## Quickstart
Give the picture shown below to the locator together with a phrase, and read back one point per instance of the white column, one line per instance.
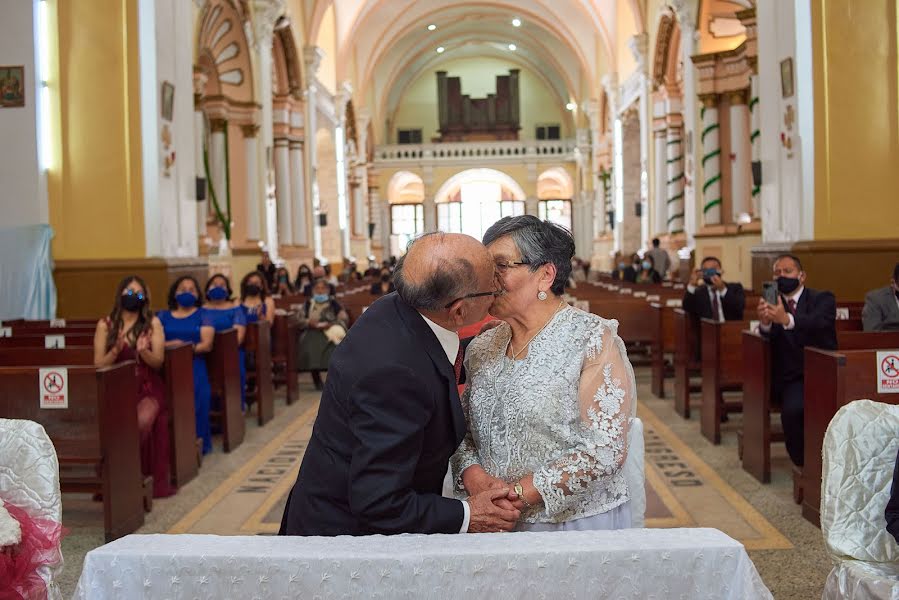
(282, 191)
(711, 161)
(251, 149)
(661, 177)
(218, 176)
(755, 138)
(299, 207)
(312, 56)
(202, 207)
(360, 214)
(340, 147)
(741, 155)
(675, 180)
(686, 18)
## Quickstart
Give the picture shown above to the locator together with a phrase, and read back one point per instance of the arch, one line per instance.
(449, 191)
(666, 69)
(405, 187)
(555, 184)
(286, 78)
(223, 53)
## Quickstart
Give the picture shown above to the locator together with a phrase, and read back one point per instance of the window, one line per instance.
(449, 217)
(406, 222)
(556, 211)
(408, 136)
(549, 132)
(511, 208)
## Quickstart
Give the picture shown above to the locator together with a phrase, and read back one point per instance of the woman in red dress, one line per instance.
(132, 332)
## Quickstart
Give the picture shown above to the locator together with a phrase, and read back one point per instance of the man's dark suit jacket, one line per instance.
(881, 312)
(814, 326)
(389, 420)
(892, 510)
(700, 304)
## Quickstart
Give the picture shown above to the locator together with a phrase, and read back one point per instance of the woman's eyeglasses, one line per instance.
(502, 267)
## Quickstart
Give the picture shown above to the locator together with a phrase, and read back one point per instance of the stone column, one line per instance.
(343, 202)
(741, 156)
(755, 137)
(199, 142)
(639, 46)
(299, 206)
(218, 177)
(429, 207)
(686, 18)
(253, 177)
(282, 191)
(312, 57)
(711, 161)
(661, 177)
(675, 180)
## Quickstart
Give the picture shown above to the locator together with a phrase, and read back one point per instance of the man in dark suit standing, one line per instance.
(390, 416)
(708, 296)
(881, 312)
(802, 317)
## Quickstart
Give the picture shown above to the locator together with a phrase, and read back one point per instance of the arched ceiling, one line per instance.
(384, 45)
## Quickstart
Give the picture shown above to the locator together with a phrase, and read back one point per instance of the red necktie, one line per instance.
(457, 366)
(716, 313)
(792, 305)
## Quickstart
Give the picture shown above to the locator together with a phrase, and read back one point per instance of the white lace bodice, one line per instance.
(561, 413)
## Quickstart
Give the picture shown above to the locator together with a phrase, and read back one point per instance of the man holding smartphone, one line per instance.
(800, 317)
(708, 296)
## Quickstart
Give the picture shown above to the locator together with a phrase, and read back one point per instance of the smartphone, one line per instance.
(769, 292)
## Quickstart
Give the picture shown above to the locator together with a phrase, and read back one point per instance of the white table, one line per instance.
(632, 563)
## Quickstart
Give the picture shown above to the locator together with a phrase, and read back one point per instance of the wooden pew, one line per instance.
(722, 370)
(224, 378)
(663, 344)
(285, 334)
(833, 379)
(96, 437)
(258, 343)
(758, 433)
(686, 359)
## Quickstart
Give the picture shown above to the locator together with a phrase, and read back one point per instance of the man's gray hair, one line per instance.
(447, 280)
(539, 242)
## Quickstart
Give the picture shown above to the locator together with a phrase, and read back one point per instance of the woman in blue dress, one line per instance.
(185, 321)
(254, 299)
(225, 313)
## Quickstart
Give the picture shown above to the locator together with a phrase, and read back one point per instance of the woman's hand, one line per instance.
(143, 344)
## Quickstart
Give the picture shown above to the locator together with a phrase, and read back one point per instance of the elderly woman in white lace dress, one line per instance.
(551, 393)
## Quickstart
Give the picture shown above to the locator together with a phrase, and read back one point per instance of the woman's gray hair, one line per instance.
(540, 243)
(447, 280)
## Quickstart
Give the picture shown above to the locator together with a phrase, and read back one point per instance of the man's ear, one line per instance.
(456, 314)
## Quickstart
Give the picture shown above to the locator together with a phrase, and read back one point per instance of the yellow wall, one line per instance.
(625, 29)
(95, 191)
(708, 43)
(856, 121)
(327, 41)
(539, 104)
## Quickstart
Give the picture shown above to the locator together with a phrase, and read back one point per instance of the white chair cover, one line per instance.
(859, 455)
(29, 479)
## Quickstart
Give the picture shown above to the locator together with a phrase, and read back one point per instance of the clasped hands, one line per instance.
(773, 313)
(493, 502)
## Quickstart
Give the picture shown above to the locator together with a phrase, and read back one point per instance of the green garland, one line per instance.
(224, 219)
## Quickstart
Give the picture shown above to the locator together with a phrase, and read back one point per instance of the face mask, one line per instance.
(133, 302)
(647, 265)
(186, 299)
(621, 266)
(385, 278)
(708, 274)
(217, 293)
(787, 285)
(283, 278)
(320, 298)
(253, 290)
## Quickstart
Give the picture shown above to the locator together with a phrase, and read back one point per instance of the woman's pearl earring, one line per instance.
(541, 296)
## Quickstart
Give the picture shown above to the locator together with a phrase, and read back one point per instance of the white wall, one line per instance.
(23, 199)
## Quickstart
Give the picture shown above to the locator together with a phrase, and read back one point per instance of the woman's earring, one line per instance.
(541, 296)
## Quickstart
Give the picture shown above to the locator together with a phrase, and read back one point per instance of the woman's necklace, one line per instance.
(522, 349)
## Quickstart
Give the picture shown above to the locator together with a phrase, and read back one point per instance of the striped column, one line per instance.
(741, 155)
(661, 177)
(675, 164)
(755, 139)
(711, 160)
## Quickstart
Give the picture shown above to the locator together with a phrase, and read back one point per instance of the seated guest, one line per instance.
(373, 270)
(892, 511)
(660, 258)
(384, 286)
(326, 324)
(329, 276)
(184, 321)
(254, 298)
(225, 313)
(319, 272)
(618, 267)
(647, 272)
(802, 317)
(631, 270)
(131, 332)
(282, 285)
(881, 312)
(304, 278)
(267, 268)
(708, 296)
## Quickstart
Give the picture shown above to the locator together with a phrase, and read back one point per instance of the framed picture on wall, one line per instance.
(12, 87)
(168, 100)
(786, 77)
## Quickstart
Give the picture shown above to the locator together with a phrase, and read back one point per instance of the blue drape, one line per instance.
(27, 290)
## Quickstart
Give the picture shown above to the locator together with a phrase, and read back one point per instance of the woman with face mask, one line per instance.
(131, 332)
(185, 321)
(282, 285)
(224, 314)
(647, 272)
(325, 323)
(384, 285)
(254, 299)
(304, 278)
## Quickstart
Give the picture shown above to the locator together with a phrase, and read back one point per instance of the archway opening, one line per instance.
(405, 194)
(555, 190)
(473, 200)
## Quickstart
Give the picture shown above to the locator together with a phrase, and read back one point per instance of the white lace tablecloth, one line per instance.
(634, 563)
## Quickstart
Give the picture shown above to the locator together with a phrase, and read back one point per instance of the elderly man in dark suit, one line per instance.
(881, 312)
(708, 296)
(802, 317)
(390, 416)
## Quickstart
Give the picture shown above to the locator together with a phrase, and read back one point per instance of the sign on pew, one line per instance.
(53, 386)
(888, 372)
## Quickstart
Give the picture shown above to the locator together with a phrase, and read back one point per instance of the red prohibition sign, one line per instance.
(889, 366)
(53, 382)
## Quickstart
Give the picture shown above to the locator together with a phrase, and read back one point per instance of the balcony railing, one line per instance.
(478, 152)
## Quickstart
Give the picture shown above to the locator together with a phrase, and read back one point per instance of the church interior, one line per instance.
(290, 140)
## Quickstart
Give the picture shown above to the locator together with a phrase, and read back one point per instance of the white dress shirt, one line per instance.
(795, 297)
(449, 341)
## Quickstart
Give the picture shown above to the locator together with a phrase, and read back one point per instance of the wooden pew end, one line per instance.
(797, 484)
(148, 493)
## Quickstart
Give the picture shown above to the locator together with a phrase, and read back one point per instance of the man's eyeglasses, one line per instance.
(503, 266)
(475, 295)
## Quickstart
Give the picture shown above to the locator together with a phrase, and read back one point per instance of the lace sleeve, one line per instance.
(606, 401)
(467, 453)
